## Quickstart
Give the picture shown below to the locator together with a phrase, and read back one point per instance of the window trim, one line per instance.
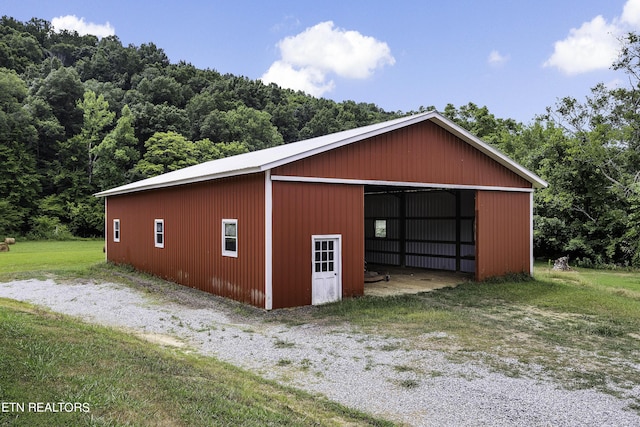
(225, 251)
(156, 233)
(116, 230)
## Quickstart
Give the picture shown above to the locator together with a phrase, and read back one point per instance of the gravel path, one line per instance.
(373, 374)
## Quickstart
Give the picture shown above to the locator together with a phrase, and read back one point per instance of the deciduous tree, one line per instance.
(117, 154)
(166, 152)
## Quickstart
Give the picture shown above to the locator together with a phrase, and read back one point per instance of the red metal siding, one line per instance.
(301, 210)
(424, 153)
(192, 253)
(503, 233)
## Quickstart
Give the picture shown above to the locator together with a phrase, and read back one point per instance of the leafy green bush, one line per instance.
(48, 228)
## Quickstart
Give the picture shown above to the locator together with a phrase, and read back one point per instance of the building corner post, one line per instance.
(106, 228)
(531, 233)
(268, 238)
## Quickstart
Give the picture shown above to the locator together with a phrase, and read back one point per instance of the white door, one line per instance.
(326, 275)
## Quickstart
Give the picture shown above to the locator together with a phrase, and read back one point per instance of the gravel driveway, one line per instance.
(377, 375)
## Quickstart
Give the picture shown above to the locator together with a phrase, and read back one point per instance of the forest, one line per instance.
(81, 114)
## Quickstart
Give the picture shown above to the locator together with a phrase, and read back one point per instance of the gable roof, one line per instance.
(262, 160)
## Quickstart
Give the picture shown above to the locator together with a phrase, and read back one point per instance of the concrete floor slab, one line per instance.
(408, 280)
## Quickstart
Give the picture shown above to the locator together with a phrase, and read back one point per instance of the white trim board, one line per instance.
(106, 233)
(310, 179)
(531, 234)
(268, 242)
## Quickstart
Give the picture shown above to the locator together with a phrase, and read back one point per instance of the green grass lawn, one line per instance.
(38, 258)
(617, 281)
(115, 379)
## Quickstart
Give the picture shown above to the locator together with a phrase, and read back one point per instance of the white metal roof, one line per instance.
(258, 161)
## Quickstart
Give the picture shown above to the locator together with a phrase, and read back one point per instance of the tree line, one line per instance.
(81, 114)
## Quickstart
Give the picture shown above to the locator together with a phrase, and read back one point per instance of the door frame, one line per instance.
(337, 260)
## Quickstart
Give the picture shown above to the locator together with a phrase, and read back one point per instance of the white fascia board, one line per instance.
(153, 185)
(405, 184)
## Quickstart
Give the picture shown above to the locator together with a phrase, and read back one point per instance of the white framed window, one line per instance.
(381, 228)
(230, 237)
(158, 232)
(116, 230)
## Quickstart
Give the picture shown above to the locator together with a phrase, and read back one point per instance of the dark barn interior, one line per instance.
(420, 228)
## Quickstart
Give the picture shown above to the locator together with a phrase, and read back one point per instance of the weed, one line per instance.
(390, 347)
(634, 407)
(305, 364)
(369, 365)
(409, 384)
(283, 344)
(607, 330)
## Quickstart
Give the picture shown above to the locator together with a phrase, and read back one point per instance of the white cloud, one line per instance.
(497, 59)
(308, 58)
(595, 45)
(308, 79)
(631, 13)
(73, 23)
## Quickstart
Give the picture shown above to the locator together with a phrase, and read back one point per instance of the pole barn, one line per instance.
(293, 225)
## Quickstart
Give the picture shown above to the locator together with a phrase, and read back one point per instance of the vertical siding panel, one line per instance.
(503, 234)
(302, 210)
(192, 255)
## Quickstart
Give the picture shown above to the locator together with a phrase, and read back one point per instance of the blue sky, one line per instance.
(515, 57)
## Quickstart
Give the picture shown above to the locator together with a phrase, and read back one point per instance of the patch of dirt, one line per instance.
(161, 339)
(554, 315)
(178, 294)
